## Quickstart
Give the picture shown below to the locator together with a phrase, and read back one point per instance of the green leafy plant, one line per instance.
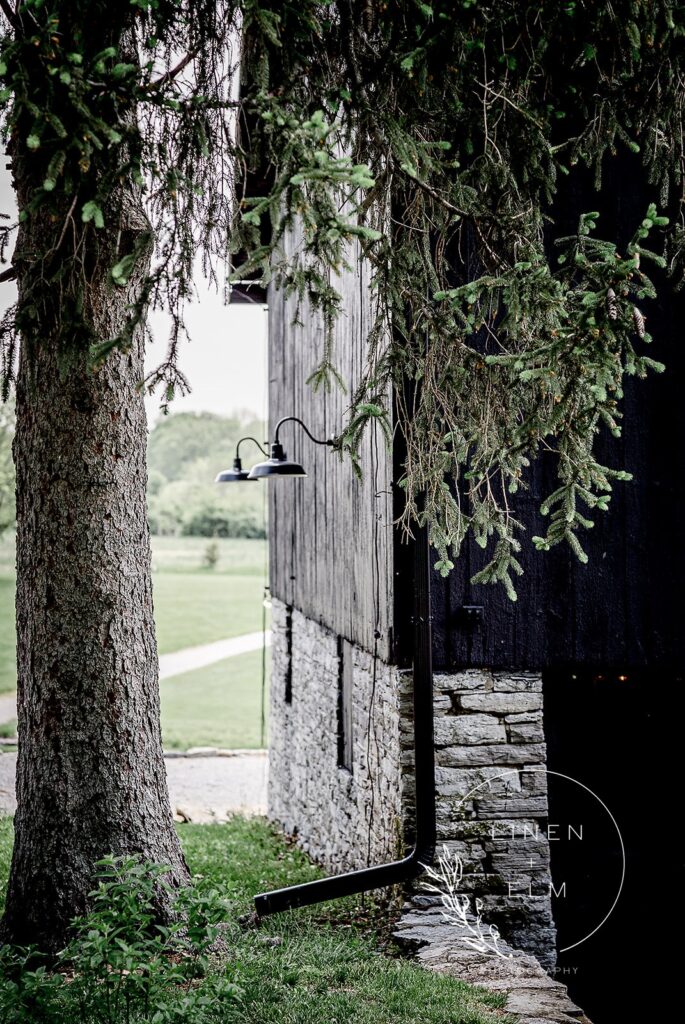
(122, 966)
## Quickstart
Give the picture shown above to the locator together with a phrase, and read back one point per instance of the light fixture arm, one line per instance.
(295, 419)
(254, 440)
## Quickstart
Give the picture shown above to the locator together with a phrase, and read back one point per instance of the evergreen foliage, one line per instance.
(477, 121)
(106, 104)
(440, 138)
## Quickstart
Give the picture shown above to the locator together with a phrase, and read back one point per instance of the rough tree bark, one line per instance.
(91, 777)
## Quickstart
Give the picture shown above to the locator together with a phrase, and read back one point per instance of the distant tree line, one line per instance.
(186, 451)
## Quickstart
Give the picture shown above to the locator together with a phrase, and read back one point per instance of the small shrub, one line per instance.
(210, 558)
(121, 966)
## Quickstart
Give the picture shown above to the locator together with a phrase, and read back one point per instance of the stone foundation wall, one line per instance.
(532, 996)
(490, 759)
(344, 817)
(492, 797)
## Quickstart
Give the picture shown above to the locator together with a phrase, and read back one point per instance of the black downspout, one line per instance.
(424, 761)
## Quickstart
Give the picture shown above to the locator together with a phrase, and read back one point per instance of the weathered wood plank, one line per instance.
(336, 557)
(331, 534)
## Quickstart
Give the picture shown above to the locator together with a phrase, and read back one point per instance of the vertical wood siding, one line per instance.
(624, 609)
(332, 545)
(330, 533)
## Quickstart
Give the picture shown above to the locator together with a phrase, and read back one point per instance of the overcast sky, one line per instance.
(225, 361)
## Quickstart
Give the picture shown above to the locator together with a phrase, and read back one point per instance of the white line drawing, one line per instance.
(459, 909)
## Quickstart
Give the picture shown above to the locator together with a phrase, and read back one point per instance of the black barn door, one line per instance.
(620, 735)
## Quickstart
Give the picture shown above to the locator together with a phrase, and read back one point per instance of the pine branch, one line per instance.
(10, 274)
(513, 352)
(425, 187)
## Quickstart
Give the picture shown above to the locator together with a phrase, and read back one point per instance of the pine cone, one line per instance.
(612, 304)
(639, 321)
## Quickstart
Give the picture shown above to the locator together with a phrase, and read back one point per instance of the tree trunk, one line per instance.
(90, 776)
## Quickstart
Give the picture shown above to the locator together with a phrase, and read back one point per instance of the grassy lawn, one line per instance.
(193, 605)
(196, 608)
(217, 706)
(310, 966)
(185, 554)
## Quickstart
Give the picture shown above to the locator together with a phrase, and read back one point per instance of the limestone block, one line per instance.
(458, 682)
(468, 851)
(508, 807)
(526, 732)
(512, 834)
(532, 859)
(528, 682)
(503, 753)
(469, 729)
(500, 703)
(442, 704)
(491, 780)
(533, 781)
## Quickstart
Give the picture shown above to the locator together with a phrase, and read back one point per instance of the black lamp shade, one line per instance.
(278, 464)
(235, 475)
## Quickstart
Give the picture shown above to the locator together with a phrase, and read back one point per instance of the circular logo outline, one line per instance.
(569, 778)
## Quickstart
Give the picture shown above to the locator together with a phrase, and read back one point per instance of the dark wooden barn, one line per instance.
(582, 676)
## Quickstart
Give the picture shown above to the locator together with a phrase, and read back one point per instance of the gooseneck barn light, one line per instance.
(278, 463)
(236, 474)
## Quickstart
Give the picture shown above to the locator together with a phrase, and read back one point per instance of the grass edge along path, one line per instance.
(316, 965)
(218, 705)
(193, 605)
(215, 706)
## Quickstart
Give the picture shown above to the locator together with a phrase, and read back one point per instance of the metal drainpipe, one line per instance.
(424, 760)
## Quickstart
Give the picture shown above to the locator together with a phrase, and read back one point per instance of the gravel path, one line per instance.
(191, 658)
(203, 788)
(7, 767)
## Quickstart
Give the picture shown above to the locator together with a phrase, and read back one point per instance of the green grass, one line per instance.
(6, 840)
(7, 553)
(197, 608)
(312, 966)
(217, 706)
(192, 605)
(240, 557)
